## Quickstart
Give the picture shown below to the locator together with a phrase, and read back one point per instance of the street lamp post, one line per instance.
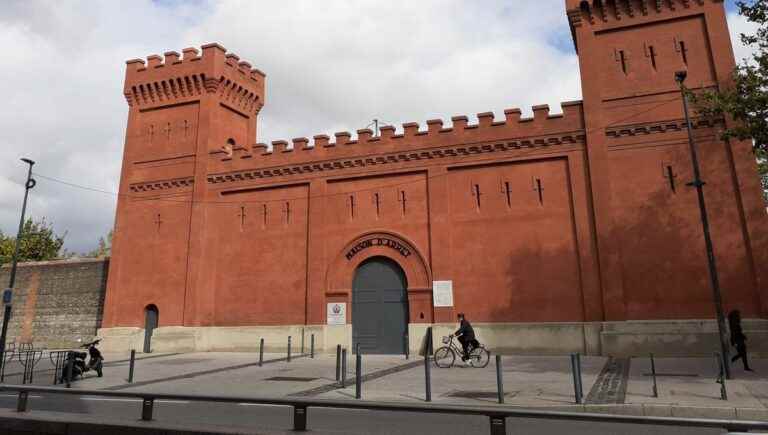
(699, 184)
(7, 313)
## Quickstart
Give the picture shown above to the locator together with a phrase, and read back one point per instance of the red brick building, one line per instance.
(563, 231)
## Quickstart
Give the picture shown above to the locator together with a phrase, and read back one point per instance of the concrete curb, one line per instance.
(653, 410)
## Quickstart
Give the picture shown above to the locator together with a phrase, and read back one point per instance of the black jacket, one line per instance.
(465, 330)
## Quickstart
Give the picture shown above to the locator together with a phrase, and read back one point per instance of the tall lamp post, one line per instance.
(699, 184)
(7, 294)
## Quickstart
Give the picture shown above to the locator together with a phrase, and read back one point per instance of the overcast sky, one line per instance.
(331, 66)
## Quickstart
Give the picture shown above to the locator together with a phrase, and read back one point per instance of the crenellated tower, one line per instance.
(644, 213)
(182, 108)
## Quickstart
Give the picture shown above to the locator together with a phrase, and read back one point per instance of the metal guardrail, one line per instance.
(496, 415)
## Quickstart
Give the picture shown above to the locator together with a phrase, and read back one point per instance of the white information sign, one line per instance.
(442, 293)
(337, 313)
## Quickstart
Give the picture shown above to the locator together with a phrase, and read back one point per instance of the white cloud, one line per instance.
(739, 25)
(331, 66)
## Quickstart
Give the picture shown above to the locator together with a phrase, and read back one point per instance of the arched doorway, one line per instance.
(379, 307)
(151, 317)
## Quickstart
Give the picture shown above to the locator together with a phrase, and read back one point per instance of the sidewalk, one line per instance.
(686, 386)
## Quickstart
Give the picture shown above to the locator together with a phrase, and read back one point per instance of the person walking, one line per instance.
(738, 339)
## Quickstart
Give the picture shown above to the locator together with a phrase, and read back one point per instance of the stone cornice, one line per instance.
(152, 186)
(658, 127)
(397, 157)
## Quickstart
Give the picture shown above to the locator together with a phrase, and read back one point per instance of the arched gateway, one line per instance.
(379, 307)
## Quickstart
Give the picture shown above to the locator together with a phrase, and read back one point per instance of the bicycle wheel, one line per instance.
(444, 357)
(479, 357)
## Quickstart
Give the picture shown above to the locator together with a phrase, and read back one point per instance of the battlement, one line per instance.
(542, 129)
(611, 13)
(175, 78)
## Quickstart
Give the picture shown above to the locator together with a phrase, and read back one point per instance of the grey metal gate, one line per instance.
(379, 307)
(151, 316)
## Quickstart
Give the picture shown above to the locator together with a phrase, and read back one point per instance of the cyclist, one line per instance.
(465, 334)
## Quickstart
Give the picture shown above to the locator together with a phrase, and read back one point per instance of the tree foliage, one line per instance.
(104, 248)
(747, 101)
(39, 242)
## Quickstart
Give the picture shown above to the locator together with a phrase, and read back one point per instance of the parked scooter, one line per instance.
(79, 366)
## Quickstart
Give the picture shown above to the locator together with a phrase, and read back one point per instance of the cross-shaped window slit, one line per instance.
(401, 199)
(241, 214)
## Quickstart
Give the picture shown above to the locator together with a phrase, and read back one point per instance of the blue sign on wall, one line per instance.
(7, 295)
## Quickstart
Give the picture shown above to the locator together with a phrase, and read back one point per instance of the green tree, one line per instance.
(104, 249)
(747, 101)
(39, 242)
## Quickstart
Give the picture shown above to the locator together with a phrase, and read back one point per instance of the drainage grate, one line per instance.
(290, 379)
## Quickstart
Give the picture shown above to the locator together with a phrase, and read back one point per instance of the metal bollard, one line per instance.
(653, 376)
(358, 373)
(721, 376)
(302, 342)
(574, 372)
(499, 379)
(427, 367)
(70, 367)
(131, 365)
(312, 346)
(338, 362)
(344, 368)
(407, 346)
(261, 352)
(146, 408)
(289, 348)
(299, 418)
(578, 369)
(21, 404)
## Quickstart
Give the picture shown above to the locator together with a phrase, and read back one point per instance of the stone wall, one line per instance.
(56, 303)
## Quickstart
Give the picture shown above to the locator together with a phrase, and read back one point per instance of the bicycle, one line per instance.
(445, 356)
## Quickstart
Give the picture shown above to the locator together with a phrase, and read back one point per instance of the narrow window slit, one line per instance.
(476, 193)
(352, 206)
(623, 58)
(402, 200)
(671, 176)
(508, 192)
(652, 52)
(684, 52)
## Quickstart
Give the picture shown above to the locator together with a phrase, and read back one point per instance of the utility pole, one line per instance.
(680, 77)
(7, 294)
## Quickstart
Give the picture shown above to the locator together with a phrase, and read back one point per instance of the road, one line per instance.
(277, 419)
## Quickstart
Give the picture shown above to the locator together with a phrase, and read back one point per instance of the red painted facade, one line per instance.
(579, 216)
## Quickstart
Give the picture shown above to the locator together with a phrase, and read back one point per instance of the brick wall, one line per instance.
(56, 303)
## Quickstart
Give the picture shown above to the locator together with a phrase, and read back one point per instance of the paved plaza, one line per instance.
(686, 386)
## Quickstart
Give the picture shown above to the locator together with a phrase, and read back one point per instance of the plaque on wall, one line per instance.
(442, 293)
(337, 313)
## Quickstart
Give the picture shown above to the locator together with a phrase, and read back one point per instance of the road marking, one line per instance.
(16, 395)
